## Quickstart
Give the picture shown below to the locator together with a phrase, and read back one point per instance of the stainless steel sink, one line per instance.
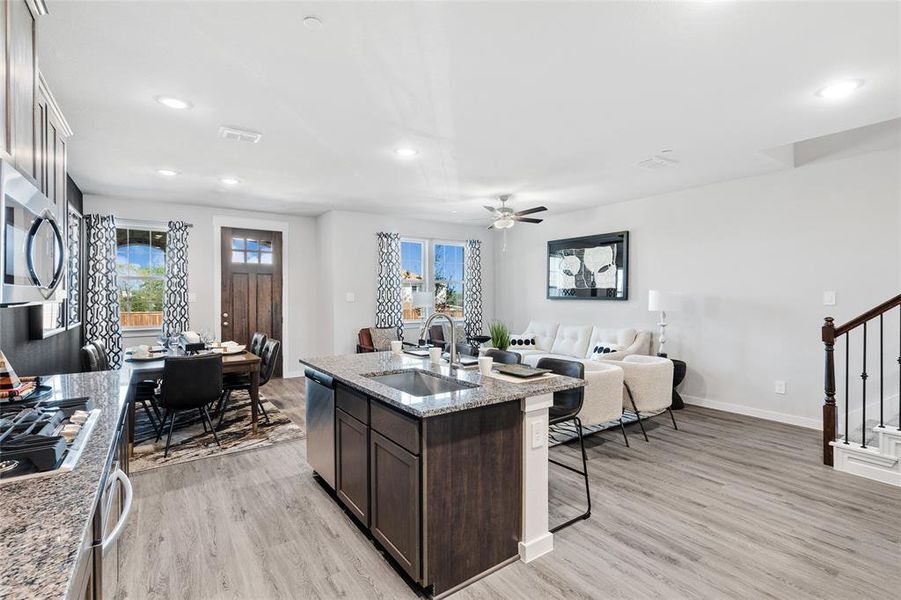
(421, 383)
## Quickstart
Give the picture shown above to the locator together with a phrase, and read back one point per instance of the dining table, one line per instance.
(245, 363)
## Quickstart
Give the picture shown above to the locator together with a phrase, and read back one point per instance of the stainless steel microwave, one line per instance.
(32, 246)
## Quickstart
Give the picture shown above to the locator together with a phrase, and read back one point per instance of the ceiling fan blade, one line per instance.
(527, 220)
(529, 211)
(490, 208)
(491, 226)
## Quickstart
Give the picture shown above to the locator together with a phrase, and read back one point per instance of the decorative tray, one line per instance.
(523, 371)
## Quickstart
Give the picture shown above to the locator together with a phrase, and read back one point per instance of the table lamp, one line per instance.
(662, 302)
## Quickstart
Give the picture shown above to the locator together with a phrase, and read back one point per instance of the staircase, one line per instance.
(872, 447)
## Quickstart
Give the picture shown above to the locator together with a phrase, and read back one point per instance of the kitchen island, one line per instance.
(445, 468)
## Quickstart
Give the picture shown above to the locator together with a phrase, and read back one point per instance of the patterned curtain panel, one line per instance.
(388, 309)
(101, 319)
(472, 288)
(175, 298)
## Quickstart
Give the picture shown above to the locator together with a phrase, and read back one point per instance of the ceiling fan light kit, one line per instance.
(505, 217)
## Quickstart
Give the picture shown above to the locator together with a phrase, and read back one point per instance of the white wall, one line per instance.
(348, 249)
(301, 331)
(752, 257)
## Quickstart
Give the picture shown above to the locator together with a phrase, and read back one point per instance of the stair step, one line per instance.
(868, 462)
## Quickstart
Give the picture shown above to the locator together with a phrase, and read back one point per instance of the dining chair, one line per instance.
(504, 357)
(567, 405)
(268, 361)
(467, 349)
(94, 358)
(189, 383)
(257, 342)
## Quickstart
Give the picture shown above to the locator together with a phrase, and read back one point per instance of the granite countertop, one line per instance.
(352, 370)
(43, 521)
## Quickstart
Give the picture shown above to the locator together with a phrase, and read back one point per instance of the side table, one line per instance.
(679, 368)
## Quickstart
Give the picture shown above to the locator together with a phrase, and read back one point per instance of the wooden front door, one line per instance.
(251, 286)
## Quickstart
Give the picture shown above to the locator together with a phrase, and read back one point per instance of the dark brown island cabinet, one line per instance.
(442, 495)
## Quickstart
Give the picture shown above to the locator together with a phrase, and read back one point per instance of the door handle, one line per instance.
(225, 315)
(225, 324)
(123, 516)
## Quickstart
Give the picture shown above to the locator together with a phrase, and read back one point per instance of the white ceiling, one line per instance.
(553, 102)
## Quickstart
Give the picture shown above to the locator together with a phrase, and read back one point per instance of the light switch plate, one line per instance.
(829, 298)
(350, 297)
(780, 386)
(192, 297)
(538, 435)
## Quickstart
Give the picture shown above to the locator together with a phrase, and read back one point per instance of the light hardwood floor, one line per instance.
(726, 507)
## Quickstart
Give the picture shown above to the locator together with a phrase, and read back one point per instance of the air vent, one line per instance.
(658, 162)
(239, 135)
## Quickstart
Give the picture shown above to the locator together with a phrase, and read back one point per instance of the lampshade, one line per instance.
(662, 301)
(423, 300)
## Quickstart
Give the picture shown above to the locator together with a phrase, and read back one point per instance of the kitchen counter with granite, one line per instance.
(44, 521)
(356, 370)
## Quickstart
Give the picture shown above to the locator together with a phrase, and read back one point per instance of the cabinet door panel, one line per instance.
(352, 477)
(22, 85)
(395, 499)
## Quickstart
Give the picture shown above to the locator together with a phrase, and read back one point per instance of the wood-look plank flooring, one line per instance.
(727, 507)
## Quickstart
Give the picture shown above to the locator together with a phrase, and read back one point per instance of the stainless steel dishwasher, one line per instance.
(320, 412)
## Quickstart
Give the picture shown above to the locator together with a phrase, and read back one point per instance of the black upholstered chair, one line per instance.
(189, 383)
(467, 349)
(268, 361)
(95, 358)
(504, 357)
(567, 405)
(257, 342)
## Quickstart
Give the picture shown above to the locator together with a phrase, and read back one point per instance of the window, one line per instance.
(442, 278)
(141, 270)
(448, 278)
(251, 251)
(412, 259)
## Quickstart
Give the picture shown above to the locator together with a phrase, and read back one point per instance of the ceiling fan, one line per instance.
(505, 217)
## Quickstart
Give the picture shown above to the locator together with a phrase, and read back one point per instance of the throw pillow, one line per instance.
(601, 349)
(522, 341)
(382, 337)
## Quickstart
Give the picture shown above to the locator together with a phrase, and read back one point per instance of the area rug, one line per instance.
(191, 442)
(566, 432)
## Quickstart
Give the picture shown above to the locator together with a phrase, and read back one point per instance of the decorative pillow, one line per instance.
(521, 342)
(382, 337)
(598, 352)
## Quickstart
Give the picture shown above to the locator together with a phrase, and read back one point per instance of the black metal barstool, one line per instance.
(504, 357)
(268, 361)
(567, 405)
(189, 383)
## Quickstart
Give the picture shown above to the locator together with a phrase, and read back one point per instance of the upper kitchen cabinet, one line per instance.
(50, 145)
(21, 71)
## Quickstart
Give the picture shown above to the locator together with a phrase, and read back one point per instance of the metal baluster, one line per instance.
(863, 381)
(847, 379)
(881, 378)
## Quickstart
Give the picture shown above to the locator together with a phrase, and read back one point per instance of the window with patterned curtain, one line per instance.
(388, 308)
(472, 288)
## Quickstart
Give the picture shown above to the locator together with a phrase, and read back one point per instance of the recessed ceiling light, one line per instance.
(229, 181)
(406, 152)
(166, 173)
(453, 212)
(312, 23)
(173, 102)
(840, 89)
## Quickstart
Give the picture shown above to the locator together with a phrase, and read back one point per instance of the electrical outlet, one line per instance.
(538, 435)
(829, 298)
(780, 386)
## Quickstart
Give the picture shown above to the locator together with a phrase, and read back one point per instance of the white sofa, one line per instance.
(577, 342)
(604, 390)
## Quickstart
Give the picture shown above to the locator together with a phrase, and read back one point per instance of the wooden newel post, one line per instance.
(829, 414)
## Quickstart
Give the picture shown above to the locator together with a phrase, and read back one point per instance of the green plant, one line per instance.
(500, 335)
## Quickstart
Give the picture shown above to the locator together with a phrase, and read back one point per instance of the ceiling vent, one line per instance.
(239, 135)
(658, 162)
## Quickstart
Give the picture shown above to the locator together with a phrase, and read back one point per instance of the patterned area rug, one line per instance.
(191, 442)
(566, 432)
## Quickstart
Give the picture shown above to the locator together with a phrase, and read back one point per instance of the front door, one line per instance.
(251, 285)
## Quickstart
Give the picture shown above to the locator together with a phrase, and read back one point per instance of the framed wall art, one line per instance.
(593, 267)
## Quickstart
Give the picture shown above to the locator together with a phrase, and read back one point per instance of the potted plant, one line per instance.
(500, 335)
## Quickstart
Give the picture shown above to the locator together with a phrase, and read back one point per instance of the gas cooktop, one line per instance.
(43, 437)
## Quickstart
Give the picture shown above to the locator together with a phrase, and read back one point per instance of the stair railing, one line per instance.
(830, 333)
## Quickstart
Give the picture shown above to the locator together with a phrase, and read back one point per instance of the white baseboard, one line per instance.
(529, 551)
(769, 415)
